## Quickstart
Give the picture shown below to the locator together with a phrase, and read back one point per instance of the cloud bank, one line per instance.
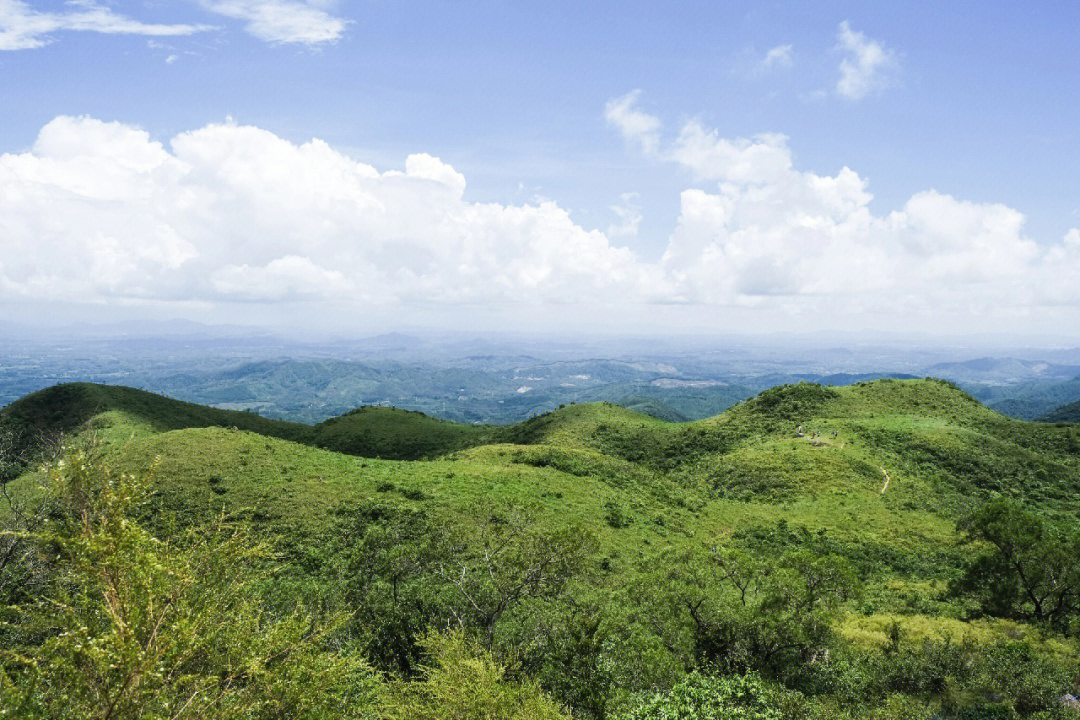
(99, 212)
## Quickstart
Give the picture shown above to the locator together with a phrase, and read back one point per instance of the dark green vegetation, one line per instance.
(64, 408)
(398, 434)
(1064, 413)
(890, 549)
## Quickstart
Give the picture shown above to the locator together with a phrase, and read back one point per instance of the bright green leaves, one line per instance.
(131, 626)
(703, 697)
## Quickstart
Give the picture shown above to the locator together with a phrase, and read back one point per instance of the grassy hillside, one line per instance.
(876, 474)
(398, 434)
(63, 408)
(368, 431)
(941, 448)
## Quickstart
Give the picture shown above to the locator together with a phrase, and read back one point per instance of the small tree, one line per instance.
(1027, 568)
(407, 570)
(23, 570)
(741, 614)
(502, 557)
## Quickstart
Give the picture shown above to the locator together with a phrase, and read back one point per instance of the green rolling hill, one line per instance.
(369, 431)
(65, 408)
(877, 474)
(398, 434)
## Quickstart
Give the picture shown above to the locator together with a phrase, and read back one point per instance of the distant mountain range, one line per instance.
(1002, 370)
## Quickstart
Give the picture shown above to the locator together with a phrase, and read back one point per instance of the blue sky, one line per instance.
(976, 101)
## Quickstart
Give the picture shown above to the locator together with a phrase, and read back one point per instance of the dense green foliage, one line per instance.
(397, 434)
(1028, 569)
(461, 681)
(133, 626)
(700, 697)
(814, 552)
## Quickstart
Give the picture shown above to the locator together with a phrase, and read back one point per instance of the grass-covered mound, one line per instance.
(827, 539)
(399, 434)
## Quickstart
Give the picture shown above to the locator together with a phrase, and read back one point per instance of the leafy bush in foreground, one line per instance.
(135, 627)
(462, 681)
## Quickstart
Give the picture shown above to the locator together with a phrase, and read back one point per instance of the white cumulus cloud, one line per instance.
(772, 236)
(98, 211)
(710, 156)
(230, 216)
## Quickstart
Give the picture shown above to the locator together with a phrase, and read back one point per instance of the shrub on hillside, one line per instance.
(130, 626)
(1026, 567)
(705, 697)
(459, 679)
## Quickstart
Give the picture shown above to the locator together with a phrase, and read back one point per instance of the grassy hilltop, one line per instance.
(819, 538)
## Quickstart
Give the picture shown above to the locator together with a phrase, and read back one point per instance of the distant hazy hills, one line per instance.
(479, 390)
(1002, 370)
(1065, 413)
(491, 383)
